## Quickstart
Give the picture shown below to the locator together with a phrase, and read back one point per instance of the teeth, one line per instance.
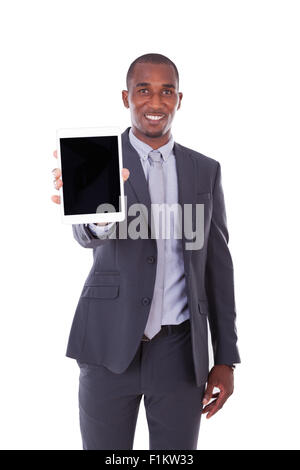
(154, 118)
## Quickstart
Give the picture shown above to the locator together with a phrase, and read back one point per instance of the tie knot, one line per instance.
(155, 156)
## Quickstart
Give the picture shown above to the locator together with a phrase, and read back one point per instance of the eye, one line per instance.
(143, 89)
(169, 91)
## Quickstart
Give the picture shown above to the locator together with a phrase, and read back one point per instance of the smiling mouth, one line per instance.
(154, 117)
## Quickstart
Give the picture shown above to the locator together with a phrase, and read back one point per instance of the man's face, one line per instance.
(152, 98)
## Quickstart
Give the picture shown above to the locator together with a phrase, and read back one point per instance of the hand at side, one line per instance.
(220, 376)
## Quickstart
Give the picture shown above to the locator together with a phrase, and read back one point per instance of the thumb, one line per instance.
(125, 174)
(208, 394)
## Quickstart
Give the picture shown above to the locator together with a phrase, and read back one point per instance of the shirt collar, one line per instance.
(143, 149)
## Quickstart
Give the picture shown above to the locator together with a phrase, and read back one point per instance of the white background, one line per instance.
(64, 64)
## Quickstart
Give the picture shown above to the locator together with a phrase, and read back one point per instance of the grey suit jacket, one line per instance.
(115, 301)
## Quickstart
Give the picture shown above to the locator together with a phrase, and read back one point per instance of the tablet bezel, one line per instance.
(92, 132)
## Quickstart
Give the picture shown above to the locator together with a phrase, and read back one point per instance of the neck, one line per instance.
(154, 142)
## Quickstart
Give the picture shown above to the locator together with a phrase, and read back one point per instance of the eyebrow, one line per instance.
(167, 85)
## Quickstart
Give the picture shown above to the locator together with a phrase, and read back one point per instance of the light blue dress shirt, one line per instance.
(175, 306)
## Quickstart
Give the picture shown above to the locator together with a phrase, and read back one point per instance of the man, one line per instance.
(140, 327)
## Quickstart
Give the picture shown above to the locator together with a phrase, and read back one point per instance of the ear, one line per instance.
(125, 98)
(180, 98)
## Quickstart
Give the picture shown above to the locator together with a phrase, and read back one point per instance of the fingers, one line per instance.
(57, 182)
(56, 172)
(125, 174)
(209, 407)
(208, 393)
(215, 405)
(56, 199)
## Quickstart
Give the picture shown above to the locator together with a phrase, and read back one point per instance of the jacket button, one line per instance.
(151, 259)
(145, 300)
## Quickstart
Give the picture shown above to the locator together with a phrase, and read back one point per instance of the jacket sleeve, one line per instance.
(219, 282)
(86, 238)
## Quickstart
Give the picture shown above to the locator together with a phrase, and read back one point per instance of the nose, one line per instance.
(156, 101)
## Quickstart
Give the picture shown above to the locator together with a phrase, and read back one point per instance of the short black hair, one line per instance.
(151, 59)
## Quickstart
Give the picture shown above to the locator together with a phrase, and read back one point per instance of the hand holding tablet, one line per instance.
(90, 177)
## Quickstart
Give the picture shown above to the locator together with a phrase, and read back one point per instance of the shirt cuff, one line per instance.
(99, 230)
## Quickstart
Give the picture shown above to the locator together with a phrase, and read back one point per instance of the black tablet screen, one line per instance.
(90, 173)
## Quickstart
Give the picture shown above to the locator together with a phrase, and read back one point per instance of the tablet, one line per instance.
(91, 165)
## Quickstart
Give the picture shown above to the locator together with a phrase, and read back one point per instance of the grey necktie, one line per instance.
(157, 195)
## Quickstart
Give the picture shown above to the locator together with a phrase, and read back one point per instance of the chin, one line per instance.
(153, 133)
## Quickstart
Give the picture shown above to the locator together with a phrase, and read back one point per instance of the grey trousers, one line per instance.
(161, 371)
